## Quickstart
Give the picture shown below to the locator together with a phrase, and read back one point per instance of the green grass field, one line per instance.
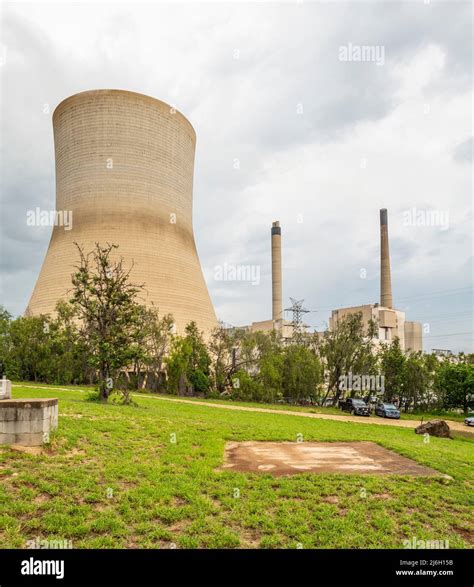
(112, 477)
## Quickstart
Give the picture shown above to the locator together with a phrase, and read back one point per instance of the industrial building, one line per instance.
(124, 171)
(391, 322)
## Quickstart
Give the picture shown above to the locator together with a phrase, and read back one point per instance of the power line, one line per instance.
(455, 315)
(444, 321)
(420, 297)
(453, 289)
(449, 334)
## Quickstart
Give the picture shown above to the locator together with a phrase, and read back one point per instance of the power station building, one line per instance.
(124, 173)
(391, 322)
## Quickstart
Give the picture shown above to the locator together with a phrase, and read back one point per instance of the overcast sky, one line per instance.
(286, 129)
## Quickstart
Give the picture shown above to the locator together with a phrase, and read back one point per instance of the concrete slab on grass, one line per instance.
(290, 458)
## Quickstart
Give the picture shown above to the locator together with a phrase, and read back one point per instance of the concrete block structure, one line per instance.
(27, 422)
(124, 170)
(391, 322)
(413, 336)
(5, 389)
(283, 326)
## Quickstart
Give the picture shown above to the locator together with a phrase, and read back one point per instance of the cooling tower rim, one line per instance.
(76, 97)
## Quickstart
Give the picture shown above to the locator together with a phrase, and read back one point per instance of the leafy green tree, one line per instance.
(188, 365)
(30, 349)
(392, 367)
(177, 367)
(432, 399)
(5, 344)
(41, 348)
(247, 387)
(68, 353)
(257, 366)
(346, 348)
(152, 344)
(302, 373)
(200, 361)
(222, 353)
(455, 383)
(271, 375)
(465, 358)
(105, 302)
(260, 354)
(415, 381)
(226, 357)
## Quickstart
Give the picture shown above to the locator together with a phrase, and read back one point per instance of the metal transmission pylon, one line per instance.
(297, 323)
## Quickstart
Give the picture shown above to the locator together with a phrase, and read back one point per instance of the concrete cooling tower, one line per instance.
(124, 169)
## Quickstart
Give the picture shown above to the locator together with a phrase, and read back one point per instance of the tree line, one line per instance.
(105, 335)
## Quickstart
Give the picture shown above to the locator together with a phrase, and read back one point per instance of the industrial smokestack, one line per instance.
(386, 299)
(277, 309)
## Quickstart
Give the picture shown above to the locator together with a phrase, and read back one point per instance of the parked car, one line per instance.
(387, 410)
(469, 421)
(355, 406)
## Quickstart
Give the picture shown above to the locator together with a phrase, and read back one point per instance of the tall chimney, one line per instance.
(276, 272)
(385, 277)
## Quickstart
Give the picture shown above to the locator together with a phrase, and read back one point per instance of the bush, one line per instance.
(246, 387)
(302, 374)
(455, 382)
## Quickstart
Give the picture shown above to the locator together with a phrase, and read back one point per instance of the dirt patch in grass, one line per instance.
(127, 484)
(291, 458)
(131, 543)
(466, 534)
(382, 496)
(29, 450)
(248, 538)
(179, 526)
(331, 499)
(41, 498)
(75, 452)
(178, 501)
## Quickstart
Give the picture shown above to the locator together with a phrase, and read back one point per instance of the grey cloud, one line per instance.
(463, 152)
